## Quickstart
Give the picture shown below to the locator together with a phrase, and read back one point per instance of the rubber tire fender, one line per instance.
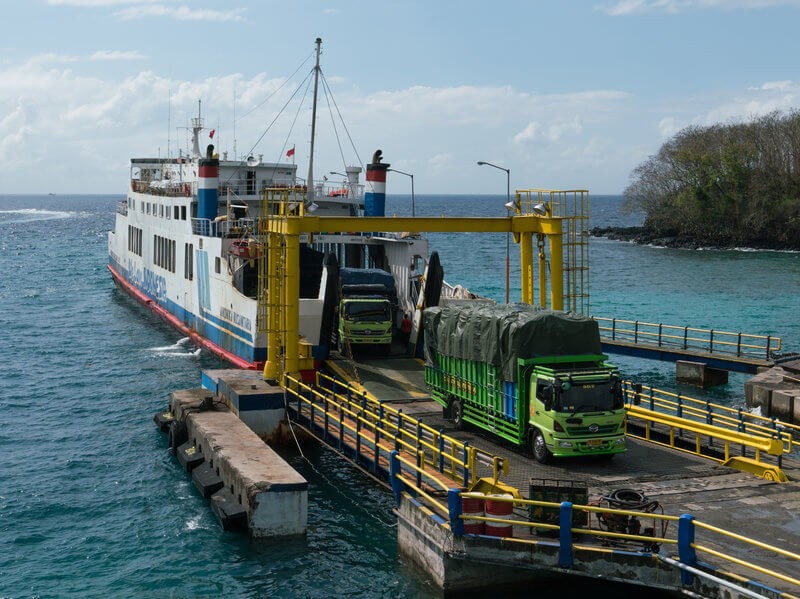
(177, 435)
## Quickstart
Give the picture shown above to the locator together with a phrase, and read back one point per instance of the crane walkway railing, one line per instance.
(709, 341)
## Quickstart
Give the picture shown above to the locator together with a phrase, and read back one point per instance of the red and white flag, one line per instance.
(290, 153)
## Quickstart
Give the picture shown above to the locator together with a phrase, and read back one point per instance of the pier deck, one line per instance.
(680, 482)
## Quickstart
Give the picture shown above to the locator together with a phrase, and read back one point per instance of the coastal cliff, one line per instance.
(722, 186)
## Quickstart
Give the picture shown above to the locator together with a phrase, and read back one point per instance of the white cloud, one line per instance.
(667, 127)
(117, 55)
(629, 7)
(97, 3)
(180, 13)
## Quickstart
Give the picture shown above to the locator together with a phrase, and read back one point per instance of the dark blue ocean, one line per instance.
(92, 504)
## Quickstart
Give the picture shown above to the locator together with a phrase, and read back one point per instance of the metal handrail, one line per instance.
(708, 340)
(725, 417)
(374, 421)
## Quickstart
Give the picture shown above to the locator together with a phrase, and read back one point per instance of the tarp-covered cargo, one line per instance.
(501, 333)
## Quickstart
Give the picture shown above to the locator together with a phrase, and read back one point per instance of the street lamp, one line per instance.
(509, 206)
(394, 170)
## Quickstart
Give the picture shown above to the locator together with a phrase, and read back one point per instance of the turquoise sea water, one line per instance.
(93, 505)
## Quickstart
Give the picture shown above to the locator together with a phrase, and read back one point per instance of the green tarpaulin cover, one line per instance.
(501, 333)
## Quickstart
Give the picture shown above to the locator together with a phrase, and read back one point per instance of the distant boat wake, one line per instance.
(28, 215)
(178, 349)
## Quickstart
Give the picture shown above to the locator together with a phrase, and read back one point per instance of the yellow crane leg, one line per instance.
(272, 367)
(542, 272)
(526, 266)
(291, 302)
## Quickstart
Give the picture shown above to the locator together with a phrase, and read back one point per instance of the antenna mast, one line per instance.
(310, 180)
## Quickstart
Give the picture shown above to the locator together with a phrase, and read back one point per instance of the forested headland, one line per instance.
(731, 185)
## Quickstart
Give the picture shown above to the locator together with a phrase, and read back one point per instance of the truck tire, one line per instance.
(539, 447)
(457, 413)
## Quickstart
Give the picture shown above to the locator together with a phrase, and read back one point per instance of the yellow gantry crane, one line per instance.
(285, 219)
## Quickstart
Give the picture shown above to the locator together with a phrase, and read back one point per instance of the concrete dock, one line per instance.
(243, 477)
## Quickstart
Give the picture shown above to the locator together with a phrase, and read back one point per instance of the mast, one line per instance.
(310, 180)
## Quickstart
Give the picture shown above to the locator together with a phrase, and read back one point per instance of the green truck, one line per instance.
(535, 377)
(366, 309)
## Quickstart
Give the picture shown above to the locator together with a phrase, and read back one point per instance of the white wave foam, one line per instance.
(27, 215)
(193, 523)
(177, 350)
(183, 341)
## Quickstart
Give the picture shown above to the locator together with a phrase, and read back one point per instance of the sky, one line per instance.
(567, 94)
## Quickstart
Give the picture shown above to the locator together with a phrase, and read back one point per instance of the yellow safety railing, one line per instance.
(705, 412)
(689, 338)
(342, 410)
(434, 442)
(578, 532)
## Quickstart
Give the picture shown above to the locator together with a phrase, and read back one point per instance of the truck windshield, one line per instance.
(591, 397)
(366, 312)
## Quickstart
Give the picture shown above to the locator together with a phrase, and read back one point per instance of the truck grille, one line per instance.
(603, 429)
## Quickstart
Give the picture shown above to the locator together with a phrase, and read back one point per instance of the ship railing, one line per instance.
(220, 227)
(174, 189)
(122, 207)
(595, 527)
(689, 338)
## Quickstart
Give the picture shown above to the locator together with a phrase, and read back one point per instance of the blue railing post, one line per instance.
(685, 336)
(739, 345)
(420, 466)
(636, 332)
(613, 328)
(769, 342)
(454, 510)
(652, 400)
(711, 341)
(565, 558)
(659, 334)
(686, 552)
(394, 475)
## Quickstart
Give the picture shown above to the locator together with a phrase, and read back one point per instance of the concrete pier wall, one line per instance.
(776, 391)
(473, 564)
(273, 494)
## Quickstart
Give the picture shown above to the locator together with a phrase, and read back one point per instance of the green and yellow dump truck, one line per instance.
(367, 299)
(535, 377)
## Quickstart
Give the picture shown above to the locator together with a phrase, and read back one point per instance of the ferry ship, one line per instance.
(186, 244)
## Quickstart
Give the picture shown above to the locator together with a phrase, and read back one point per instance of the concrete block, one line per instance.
(274, 496)
(786, 405)
(699, 373)
(258, 404)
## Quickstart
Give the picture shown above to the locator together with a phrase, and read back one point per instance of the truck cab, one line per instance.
(366, 309)
(575, 408)
(364, 319)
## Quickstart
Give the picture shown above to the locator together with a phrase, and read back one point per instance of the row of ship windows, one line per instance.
(164, 252)
(160, 210)
(135, 240)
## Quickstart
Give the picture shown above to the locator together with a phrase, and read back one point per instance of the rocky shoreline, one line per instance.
(643, 236)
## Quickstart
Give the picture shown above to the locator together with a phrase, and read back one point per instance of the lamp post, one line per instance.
(508, 210)
(413, 209)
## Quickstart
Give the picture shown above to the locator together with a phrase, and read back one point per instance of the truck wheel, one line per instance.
(457, 413)
(539, 447)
